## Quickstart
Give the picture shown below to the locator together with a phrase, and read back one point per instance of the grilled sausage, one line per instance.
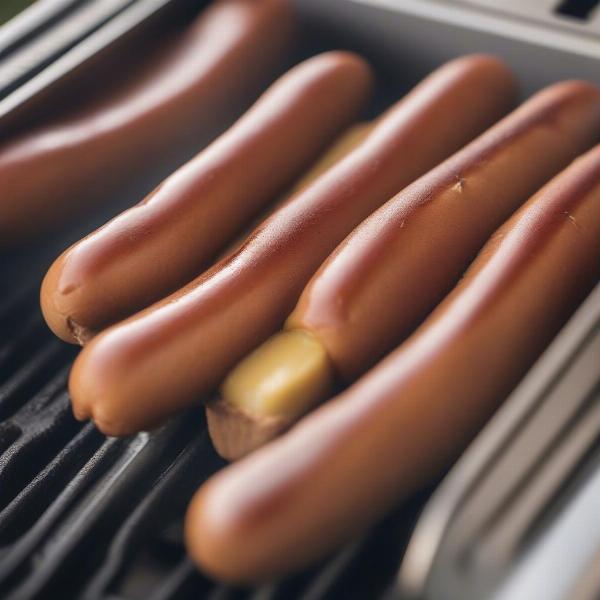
(356, 457)
(167, 357)
(163, 242)
(187, 91)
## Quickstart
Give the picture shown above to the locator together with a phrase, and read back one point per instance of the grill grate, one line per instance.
(86, 516)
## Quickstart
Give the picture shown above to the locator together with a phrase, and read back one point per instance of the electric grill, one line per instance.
(84, 516)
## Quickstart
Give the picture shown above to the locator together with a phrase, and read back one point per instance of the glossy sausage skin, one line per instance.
(134, 374)
(163, 242)
(398, 264)
(400, 425)
(185, 93)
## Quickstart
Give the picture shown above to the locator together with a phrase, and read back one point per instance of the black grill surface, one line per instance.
(85, 516)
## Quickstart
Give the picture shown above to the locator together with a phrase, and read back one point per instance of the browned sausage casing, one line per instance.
(167, 357)
(163, 242)
(186, 92)
(356, 457)
(399, 263)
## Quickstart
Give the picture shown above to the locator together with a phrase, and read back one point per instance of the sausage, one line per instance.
(188, 90)
(392, 270)
(171, 355)
(163, 242)
(402, 424)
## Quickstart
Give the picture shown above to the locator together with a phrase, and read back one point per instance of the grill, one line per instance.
(82, 515)
(90, 517)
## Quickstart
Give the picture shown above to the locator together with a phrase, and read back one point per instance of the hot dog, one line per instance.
(398, 264)
(357, 456)
(168, 356)
(189, 89)
(163, 242)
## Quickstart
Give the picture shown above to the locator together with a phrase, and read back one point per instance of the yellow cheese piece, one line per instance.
(285, 377)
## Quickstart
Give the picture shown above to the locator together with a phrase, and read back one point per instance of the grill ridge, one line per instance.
(96, 518)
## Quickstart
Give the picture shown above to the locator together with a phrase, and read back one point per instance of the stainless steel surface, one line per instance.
(526, 493)
(106, 34)
(418, 35)
(32, 20)
(61, 34)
